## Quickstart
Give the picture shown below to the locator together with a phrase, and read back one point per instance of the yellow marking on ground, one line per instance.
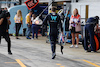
(62, 66)
(10, 62)
(91, 63)
(77, 59)
(58, 64)
(20, 63)
(25, 59)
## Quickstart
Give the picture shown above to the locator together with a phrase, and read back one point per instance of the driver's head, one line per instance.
(53, 9)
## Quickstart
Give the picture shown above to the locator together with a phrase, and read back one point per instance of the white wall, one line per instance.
(48, 0)
(3, 5)
(54, 0)
(89, 0)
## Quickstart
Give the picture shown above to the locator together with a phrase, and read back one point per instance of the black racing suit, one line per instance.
(3, 30)
(54, 23)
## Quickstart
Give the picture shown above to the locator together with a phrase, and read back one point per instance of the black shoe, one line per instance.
(17, 38)
(10, 53)
(88, 50)
(53, 56)
(93, 51)
(28, 38)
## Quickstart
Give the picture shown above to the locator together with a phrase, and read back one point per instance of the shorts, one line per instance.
(73, 30)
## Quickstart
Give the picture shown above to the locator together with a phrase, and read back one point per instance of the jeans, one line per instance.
(28, 31)
(89, 31)
(35, 29)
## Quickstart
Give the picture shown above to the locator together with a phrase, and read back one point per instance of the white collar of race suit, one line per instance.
(53, 13)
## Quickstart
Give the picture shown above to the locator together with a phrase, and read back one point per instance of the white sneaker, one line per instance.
(71, 46)
(76, 46)
(32, 38)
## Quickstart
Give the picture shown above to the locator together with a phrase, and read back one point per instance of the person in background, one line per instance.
(18, 22)
(68, 14)
(89, 33)
(75, 27)
(29, 24)
(35, 27)
(67, 22)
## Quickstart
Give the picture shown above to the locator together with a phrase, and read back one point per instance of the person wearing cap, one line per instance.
(54, 21)
(29, 24)
(3, 30)
(89, 32)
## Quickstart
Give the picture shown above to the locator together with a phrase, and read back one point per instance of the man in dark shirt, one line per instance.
(3, 30)
(89, 32)
(53, 20)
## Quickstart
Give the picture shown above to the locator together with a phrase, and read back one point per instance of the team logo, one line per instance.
(54, 18)
(31, 3)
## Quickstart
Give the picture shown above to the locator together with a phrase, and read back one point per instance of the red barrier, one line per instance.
(97, 42)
